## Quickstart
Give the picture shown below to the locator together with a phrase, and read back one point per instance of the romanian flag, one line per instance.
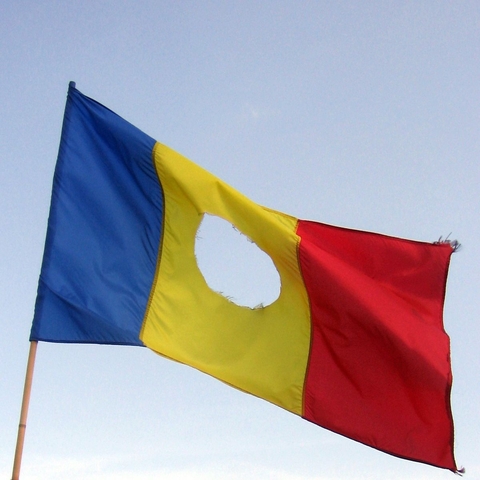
(355, 342)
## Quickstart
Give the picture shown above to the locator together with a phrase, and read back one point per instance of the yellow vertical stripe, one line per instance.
(261, 351)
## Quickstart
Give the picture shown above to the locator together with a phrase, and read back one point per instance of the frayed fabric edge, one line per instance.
(455, 244)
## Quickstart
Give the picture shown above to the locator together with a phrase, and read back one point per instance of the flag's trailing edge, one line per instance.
(354, 343)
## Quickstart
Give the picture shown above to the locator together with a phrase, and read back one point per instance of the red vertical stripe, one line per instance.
(379, 369)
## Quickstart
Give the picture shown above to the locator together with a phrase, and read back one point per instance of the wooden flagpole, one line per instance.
(24, 412)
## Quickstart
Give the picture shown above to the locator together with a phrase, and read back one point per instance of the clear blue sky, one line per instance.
(360, 114)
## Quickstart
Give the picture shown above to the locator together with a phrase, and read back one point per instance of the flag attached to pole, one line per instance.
(354, 343)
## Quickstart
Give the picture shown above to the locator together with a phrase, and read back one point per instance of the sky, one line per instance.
(363, 114)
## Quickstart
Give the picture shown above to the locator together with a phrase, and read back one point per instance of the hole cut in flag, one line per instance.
(234, 266)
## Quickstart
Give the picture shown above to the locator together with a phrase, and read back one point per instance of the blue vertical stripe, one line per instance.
(103, 230)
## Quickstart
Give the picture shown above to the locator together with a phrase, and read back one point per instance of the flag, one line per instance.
(355, 342)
